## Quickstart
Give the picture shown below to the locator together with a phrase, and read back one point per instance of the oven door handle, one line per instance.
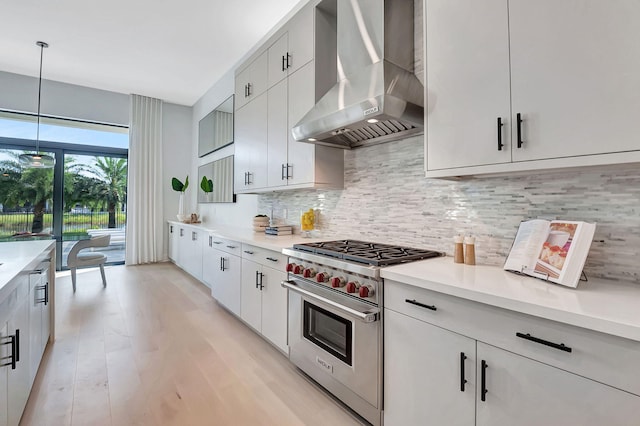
(367, 317)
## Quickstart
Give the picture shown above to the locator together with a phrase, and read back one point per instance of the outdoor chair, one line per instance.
(80, 260)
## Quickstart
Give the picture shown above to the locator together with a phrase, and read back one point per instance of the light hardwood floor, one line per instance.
(154, 348)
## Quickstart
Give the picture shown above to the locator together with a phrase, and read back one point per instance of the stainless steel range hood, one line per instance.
(377, 97)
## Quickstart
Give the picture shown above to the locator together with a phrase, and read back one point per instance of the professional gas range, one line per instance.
(335, 316)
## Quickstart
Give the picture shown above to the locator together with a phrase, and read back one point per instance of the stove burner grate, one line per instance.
(368, 253)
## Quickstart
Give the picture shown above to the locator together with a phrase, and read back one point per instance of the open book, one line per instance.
(554, 251)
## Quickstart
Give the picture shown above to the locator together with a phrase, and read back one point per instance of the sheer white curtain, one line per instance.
(145, 230)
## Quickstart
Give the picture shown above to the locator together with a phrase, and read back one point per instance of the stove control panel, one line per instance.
(358, 286)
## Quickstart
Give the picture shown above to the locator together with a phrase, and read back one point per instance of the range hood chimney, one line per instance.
(377, 97)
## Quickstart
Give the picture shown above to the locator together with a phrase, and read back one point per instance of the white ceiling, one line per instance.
(168, 49)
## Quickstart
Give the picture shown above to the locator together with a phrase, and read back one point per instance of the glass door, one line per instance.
(26, 199)
(95, 195)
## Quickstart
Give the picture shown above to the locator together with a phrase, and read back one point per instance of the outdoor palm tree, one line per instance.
(113, 189)
(29, 188)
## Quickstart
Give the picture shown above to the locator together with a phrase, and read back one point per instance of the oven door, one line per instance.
(336, 340)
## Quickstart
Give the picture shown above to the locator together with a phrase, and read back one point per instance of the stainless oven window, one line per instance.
(328, 331)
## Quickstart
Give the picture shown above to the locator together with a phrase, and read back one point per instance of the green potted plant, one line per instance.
(180, 187)
(207, 186)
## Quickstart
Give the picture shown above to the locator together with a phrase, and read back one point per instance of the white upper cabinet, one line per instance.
(467, 83)
(563, 77)
(251, 81)
(277, 131)
(250, 168)
(293, 49)
(309, 164)
(267, 158)
(278, 60)
(575, 76)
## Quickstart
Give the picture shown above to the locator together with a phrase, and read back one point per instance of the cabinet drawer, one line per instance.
(225, 245)
(605, 358)
(265, 257)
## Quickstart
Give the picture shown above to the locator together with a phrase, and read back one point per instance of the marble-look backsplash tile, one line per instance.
(388, 199)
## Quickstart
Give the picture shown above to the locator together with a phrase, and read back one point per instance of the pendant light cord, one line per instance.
(42, 46)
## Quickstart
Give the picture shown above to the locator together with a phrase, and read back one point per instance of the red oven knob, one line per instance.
(308, 273)
(290, 267)
(322, 277)
(298, 269)
(366, 291)
(337, 282)
(353, 286)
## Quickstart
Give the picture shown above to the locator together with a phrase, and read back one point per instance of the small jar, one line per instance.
(458, 251)
(469, 250)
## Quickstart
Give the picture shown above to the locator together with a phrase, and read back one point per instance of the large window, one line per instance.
(84, 195)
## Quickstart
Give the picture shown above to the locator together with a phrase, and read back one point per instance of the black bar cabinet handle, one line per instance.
(272, 259)
(288, 62)
(46, 294)
(45, 298)
(221, 265)
(248, 251)
(500, 144)
(257, 274)
(284, 63)
(289, 166)
(17, 346)
(483, 380)
(248, 89)
(12, 342)
(261, 277)
(559, 346)
(463, 357)
(422, 305)
(519, 129)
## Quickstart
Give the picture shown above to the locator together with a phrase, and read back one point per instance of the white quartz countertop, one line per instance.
(606, 306)
(259, 239)
(16, 256)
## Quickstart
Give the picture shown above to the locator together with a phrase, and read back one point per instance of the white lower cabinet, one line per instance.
(173, 241)
(526, 392)
(5, 351)
(424, 366)
(192, 245)
(38, 319)
(251, 295)
(264, 300)
(18, 379)
(222, 271)
(438, 371)
(185, 247)
(182, 245)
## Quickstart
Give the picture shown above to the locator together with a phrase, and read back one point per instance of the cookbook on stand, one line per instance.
(555, 250)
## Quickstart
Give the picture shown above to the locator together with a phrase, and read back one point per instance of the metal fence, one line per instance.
(12, 223)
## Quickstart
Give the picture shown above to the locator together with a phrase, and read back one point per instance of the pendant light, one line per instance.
(37, 160)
